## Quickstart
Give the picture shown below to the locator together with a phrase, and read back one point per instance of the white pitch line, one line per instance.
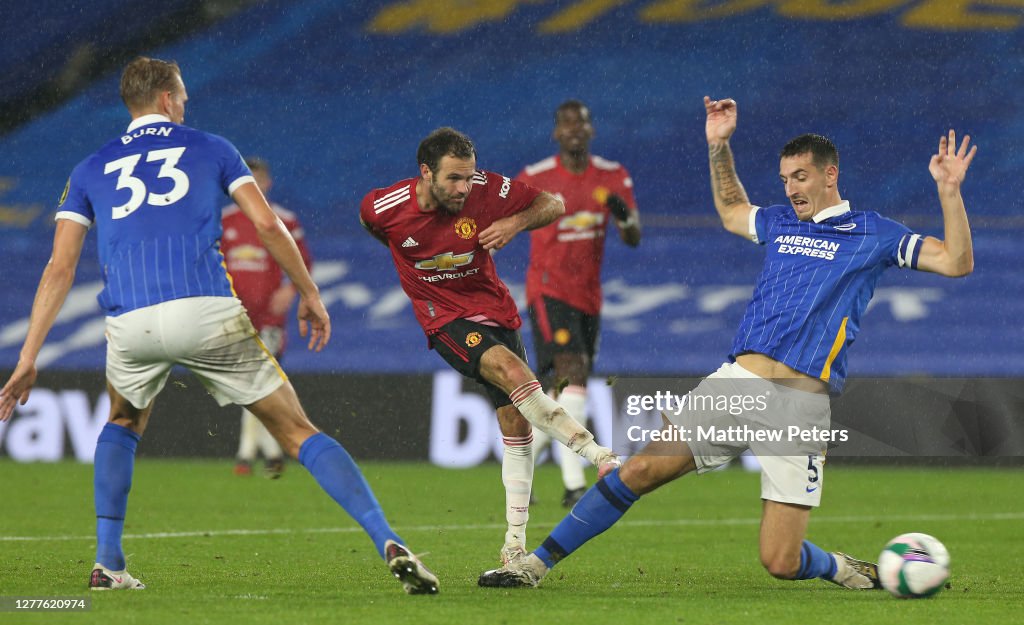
(995, 516)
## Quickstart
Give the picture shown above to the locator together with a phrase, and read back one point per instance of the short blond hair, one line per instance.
(144, 78)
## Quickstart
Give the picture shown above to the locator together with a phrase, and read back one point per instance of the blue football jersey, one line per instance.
(817, 280)
(155, 194)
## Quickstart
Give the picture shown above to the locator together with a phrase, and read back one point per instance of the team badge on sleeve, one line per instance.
(64, 193)
(465, 227)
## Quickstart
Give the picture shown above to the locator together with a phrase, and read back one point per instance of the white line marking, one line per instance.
(995, 516)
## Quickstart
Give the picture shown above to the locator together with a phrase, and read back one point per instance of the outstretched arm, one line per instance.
(279, 242)
(730, 199)
(53, 289)
(544, 209)
(954, 255)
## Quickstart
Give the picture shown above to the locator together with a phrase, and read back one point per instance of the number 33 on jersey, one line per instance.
(150, 192)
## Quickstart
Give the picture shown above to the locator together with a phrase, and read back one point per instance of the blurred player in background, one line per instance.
(822, 264)
(154, 194)
(563, 281)
(441, 228)
(267, 297)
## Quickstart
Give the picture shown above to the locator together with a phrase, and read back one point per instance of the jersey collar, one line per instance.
(832, 211)
(145, 120)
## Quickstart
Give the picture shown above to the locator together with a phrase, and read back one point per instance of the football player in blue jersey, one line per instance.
(154, 194)
(822, 264)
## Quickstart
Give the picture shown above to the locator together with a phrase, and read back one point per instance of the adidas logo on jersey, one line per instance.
(410, 242)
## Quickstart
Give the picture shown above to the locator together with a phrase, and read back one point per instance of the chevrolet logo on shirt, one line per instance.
(583, 220)
(445, 262)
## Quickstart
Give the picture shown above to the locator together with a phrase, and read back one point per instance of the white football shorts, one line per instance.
(792, 468)
(210, 336)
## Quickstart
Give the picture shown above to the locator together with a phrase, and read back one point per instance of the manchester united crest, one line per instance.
(473, 338)
(465, 227)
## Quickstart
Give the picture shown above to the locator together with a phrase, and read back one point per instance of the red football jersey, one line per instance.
(565, 257)
(443, 268)
(254, 273)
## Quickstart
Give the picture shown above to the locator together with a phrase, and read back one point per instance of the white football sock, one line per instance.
(248, 439)
(540, 441)
(517, 475)
(574, 400)
(546, 414)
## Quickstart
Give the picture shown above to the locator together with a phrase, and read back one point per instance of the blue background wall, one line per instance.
(337, 97)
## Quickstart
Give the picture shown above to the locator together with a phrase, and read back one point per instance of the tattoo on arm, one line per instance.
(725, 184)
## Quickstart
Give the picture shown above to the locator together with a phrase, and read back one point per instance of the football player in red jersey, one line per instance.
(441, 228)
(267, 296)
(563, 281)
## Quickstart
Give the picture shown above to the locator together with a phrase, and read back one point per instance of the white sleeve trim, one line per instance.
(73, 216)
(237, 183)
(908, 257)
(752, 224)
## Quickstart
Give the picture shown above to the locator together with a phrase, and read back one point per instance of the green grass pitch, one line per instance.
(215, 548)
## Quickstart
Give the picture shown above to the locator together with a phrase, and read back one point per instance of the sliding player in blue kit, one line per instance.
(822, 264)
(154, 194)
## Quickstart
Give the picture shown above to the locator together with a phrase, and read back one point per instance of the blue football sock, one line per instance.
(815, 562)
(598, 509)
(112, 480)
(339, 476)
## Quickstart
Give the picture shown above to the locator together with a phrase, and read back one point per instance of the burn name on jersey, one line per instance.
(807, 246)
(146, 131)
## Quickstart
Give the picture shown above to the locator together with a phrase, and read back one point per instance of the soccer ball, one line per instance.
(913, 566)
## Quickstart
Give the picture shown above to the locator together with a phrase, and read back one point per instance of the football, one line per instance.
(913, 566)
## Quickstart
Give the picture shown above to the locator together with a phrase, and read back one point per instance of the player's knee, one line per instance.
(129, 417)
(139, 427)
(516, 372)
(645, 473)
(504, 369)
(124, 413)
(780, 567)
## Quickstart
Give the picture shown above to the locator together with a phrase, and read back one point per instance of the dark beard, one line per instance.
(442, 205)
